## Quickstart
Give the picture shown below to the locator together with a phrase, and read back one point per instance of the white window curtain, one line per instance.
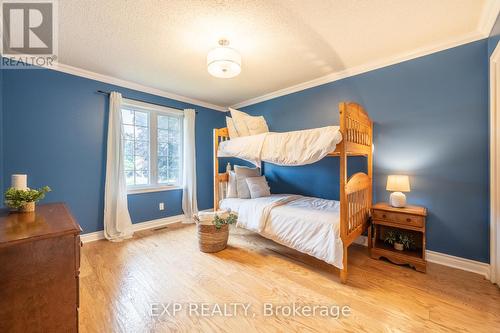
(117, 222)
(189, 201)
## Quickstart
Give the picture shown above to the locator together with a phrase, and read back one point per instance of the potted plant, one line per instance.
(391, 238)
(24, 200)
(406, 240)
(398, 246)
(219, 222)
(400, 240)
(213, 231)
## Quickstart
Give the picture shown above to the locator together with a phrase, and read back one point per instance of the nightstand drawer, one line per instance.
(414, 220)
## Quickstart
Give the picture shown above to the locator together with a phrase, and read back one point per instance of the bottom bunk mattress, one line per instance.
(306, 224)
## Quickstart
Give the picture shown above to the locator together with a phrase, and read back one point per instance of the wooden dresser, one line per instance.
(39, 268)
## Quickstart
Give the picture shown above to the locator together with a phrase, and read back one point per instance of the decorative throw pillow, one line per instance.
(232, 191)
(247, 125)
(258, 187)
(242, 173)
(233, 133)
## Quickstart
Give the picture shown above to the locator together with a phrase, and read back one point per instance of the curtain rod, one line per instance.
(140, 100)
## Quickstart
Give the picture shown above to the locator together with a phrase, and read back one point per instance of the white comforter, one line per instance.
(288, 148)
(309, 225)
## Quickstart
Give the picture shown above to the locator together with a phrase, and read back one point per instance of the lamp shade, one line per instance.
(398, 183)
(224, 62)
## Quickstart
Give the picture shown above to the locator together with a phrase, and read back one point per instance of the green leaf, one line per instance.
(219, 222)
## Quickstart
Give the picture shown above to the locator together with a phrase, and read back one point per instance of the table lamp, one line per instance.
(398, 184)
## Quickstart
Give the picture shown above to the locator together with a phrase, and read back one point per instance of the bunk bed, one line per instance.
(355, 192)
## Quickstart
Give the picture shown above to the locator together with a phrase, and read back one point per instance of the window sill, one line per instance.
(140, 190)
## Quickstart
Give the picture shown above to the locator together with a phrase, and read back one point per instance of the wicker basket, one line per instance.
(211, 239)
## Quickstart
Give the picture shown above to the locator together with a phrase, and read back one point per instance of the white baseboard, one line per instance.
(158, 223)
(98, 235)
(92, 236)
(464, 264)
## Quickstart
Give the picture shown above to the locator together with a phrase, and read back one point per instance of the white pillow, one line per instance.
(258, 187)
(242, 173)
(247, 125)
(256, 125)
(233, 133)
(240, 122)
(232, 191)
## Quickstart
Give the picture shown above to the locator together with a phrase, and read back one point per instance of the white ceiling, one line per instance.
(163, 44)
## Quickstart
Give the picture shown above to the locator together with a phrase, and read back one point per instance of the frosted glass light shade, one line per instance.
(398, 183)
(224, 62)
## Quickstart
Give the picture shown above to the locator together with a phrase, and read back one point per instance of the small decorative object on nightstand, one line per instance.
(398, 184)
(398, 235)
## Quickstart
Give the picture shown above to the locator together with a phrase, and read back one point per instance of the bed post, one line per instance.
(216, 170)
(342, 183)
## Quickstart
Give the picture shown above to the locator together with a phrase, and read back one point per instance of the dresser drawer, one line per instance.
(414, 220)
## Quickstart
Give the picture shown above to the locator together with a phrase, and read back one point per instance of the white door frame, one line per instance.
(495, 166)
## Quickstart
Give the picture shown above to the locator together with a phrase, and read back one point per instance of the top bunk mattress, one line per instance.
(287, 148)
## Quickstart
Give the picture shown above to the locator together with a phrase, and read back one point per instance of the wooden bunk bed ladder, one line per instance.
(220, 134)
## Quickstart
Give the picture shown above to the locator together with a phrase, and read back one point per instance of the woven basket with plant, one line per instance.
(213, 231)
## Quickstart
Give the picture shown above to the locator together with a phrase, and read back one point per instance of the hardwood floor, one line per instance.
(121, 283)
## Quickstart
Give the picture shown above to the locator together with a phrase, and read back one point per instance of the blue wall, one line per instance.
(54, 129)
(431, 122)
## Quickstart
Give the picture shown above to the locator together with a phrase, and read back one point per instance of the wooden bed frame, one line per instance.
(355, 193)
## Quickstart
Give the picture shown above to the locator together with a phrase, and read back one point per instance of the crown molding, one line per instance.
(348, 72)
(131, 85)
(486, 22)
(488, 17)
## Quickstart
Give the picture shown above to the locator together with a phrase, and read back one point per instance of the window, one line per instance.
(152, 140)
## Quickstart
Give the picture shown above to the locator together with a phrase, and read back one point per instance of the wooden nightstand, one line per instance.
(410, 219)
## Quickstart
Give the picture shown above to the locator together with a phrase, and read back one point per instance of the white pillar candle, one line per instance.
(19, 182)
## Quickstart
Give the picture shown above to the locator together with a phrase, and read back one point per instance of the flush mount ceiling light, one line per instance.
(223, 61)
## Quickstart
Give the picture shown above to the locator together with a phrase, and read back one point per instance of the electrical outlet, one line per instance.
(162, 206)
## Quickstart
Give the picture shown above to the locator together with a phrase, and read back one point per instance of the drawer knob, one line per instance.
(384, 216)
(408, 220)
